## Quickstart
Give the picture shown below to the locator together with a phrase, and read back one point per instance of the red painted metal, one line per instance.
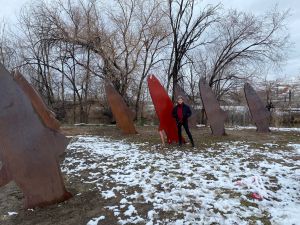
(163, 106)
(29, 151)
(260, 115)
(215, 115)
(120, 110)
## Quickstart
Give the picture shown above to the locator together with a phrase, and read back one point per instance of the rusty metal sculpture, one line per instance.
(163, 106)
(215, 115)
(120, 110)
(46, 115)
(259, 113)
(29, 151)
(188, 101)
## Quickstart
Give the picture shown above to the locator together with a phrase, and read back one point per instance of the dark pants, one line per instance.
(187, 130)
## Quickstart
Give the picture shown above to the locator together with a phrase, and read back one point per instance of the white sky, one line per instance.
(9, 9)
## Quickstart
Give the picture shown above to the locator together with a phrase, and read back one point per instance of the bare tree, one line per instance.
(68, 48)
(243, 43)
(8, 56)
(188, 32)
(152, 25)
(49, 58)
(36, 52)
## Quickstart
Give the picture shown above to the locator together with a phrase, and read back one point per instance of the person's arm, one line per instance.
(174, 112)
(189, 112)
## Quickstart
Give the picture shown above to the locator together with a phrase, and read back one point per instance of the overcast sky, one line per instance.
(10, 9)
(291, 69)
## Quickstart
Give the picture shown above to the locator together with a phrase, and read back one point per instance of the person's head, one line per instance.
(179, 99)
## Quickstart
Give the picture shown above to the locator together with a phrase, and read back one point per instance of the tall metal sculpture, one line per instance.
(46, 115)
(259, 113)
(163, 106)
(215, 115)
(187, 100)
(29, 151)
(120, 110)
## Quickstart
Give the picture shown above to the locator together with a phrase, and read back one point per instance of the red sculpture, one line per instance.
(259, 113)
(215, 115)
(29, 151)
(163, 107)
(120, 110)
(180, 92)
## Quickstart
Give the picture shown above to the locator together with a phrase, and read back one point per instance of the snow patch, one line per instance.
(281, 129)
(95, 221)
(108, 194)
(130, 211)
(295, 146)
(190, 187)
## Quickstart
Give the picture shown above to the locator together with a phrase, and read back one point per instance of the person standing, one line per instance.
(181, 112)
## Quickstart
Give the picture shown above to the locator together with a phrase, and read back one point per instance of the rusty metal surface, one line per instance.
(215, 115)
(46, 115)
(259, 113)
(29, 151)
(188, 101)
(120, 110)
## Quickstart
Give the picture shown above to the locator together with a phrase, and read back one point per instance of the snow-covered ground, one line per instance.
(215, 185)
(281, 129)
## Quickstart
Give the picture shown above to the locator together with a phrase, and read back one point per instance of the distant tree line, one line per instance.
(68, 48)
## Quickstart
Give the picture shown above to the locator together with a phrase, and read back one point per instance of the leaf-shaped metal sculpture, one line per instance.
(29, 151)
(180, 92)
(46, 115)
(163, 106)
(259, 113)
(120, 110)
(215, 115)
